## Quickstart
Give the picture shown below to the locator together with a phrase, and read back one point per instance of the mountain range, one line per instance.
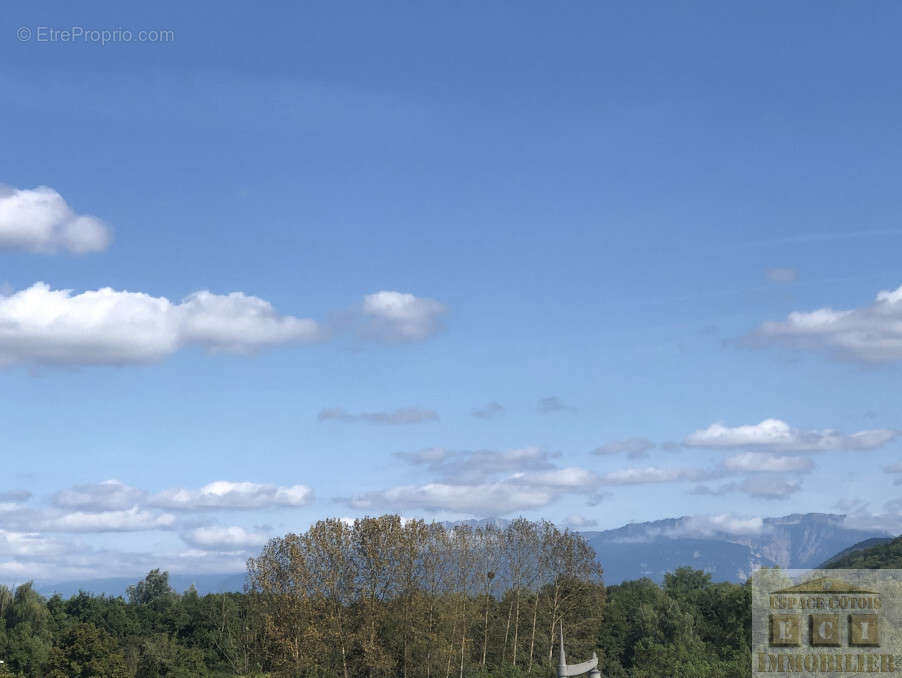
(729, 551)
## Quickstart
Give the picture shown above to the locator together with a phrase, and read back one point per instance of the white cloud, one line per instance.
(635, 448)
(65, 560)
(109, 327)
(482, 483)
(490, 499)
(468, 467)
(109, 495)
(870, 333)
(231, 538)
(396, 316)
(400, 417)
(231, 495)
(129, 520)
(652, 474)
(28, 544)
(766, 462)
(39, 220)
(778, 436)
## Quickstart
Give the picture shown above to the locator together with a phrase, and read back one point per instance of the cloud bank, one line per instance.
(223, 494)
(40, 325)
(481, 482)
(778, 436)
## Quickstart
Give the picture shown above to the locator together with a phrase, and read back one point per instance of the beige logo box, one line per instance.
(826, 622)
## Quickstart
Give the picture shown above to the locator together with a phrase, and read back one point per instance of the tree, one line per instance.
(87, 652)
(154, 588)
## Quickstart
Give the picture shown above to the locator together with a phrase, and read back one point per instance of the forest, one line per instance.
(385, 597)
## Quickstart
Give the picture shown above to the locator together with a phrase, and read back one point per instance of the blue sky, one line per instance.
(597, 216)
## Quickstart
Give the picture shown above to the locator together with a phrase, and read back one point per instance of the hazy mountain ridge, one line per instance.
(117, 586)
(635, 550)
(653, 548)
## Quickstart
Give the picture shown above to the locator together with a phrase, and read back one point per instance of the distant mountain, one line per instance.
(655, 548)
(645, 550)
(204, 583)
(877, 553)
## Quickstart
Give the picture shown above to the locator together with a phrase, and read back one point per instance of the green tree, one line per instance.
(84, 651)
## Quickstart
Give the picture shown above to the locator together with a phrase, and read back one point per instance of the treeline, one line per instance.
(384, 597)
(390, 598)
(154, 632)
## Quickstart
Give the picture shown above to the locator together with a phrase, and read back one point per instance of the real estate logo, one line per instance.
(826, 623)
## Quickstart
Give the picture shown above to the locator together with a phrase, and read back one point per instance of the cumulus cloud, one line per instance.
(778, 436)
(109, 495)
(466, 466)
(28, 544)
(636, 448)
(782, 275)
(485, 499)
(112, 506)
(400, 417)
(39, 220)
(55, 560)
(488, 411)
(755, 462)
(521, 492)
(129, 520)
(396, 316)
(482, 482)
(756, 486)
(654, 474)
(215, 538)
(109, 327)
(553, 404)
(231, 495)
(870, 333)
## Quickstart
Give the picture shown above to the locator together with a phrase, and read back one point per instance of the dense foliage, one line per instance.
(386, 598)
(879, 557)
(689, 628)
